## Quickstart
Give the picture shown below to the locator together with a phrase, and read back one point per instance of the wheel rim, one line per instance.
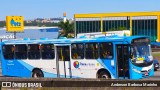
(35, 75)
(105, 76)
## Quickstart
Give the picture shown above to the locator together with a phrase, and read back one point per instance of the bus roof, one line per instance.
(73, 40)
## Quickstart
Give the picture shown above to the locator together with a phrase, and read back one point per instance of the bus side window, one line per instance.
(8, 52)
(33, 51)
(77, 51)
(74, 51)
(88, 51)
(106, 50)
(47, 51)
(21, 51)
(91, 51)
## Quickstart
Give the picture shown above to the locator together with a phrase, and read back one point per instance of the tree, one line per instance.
(67, 28)
(2, 23)
(118, 29)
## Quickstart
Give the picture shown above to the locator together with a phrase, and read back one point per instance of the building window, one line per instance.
(21, 51)
(47, 51)
(8, 52)
(33, 51)
(77, 51)
(106, 50)
(91, 51)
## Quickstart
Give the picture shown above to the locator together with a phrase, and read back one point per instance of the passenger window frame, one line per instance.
(111, 50)
(46, 50)
(12, 50)
(97, 51)
(77, 52)
(34, 51)
(23, 55)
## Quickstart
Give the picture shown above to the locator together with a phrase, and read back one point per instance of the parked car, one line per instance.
(156, 64)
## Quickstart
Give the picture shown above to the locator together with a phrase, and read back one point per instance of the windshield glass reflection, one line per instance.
(141, 53)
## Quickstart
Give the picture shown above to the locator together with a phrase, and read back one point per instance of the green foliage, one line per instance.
(70, 36)
(2, 23)
(156, 54)
(122, 28)
(118, 29)
(112, 29)
(67, 28)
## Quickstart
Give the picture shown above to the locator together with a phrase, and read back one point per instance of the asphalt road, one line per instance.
(155, 77)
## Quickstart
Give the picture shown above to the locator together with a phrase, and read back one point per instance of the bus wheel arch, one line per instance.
(36, 72)
(103, 73)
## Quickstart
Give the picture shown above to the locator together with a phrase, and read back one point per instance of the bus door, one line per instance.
(63, 62)
(123, 61)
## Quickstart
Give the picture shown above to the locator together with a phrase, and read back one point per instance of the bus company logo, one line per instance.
(76, 64)
(14, 23)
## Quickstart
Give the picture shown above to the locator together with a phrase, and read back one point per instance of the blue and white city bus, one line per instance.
(102, 57)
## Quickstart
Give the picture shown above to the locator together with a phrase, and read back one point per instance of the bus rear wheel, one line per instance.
(37, 73)
(104, 75)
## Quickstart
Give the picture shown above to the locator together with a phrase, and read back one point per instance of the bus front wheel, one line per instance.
(104, 75)
(37, 73)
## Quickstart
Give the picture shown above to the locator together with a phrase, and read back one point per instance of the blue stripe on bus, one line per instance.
(46, 74)
(106, 67)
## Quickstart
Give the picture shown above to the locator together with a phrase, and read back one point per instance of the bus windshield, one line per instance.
(141, 53)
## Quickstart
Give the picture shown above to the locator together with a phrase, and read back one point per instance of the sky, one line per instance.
(32, 9)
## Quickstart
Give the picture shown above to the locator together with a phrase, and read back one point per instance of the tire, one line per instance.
(104, 75)
(37, 73)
